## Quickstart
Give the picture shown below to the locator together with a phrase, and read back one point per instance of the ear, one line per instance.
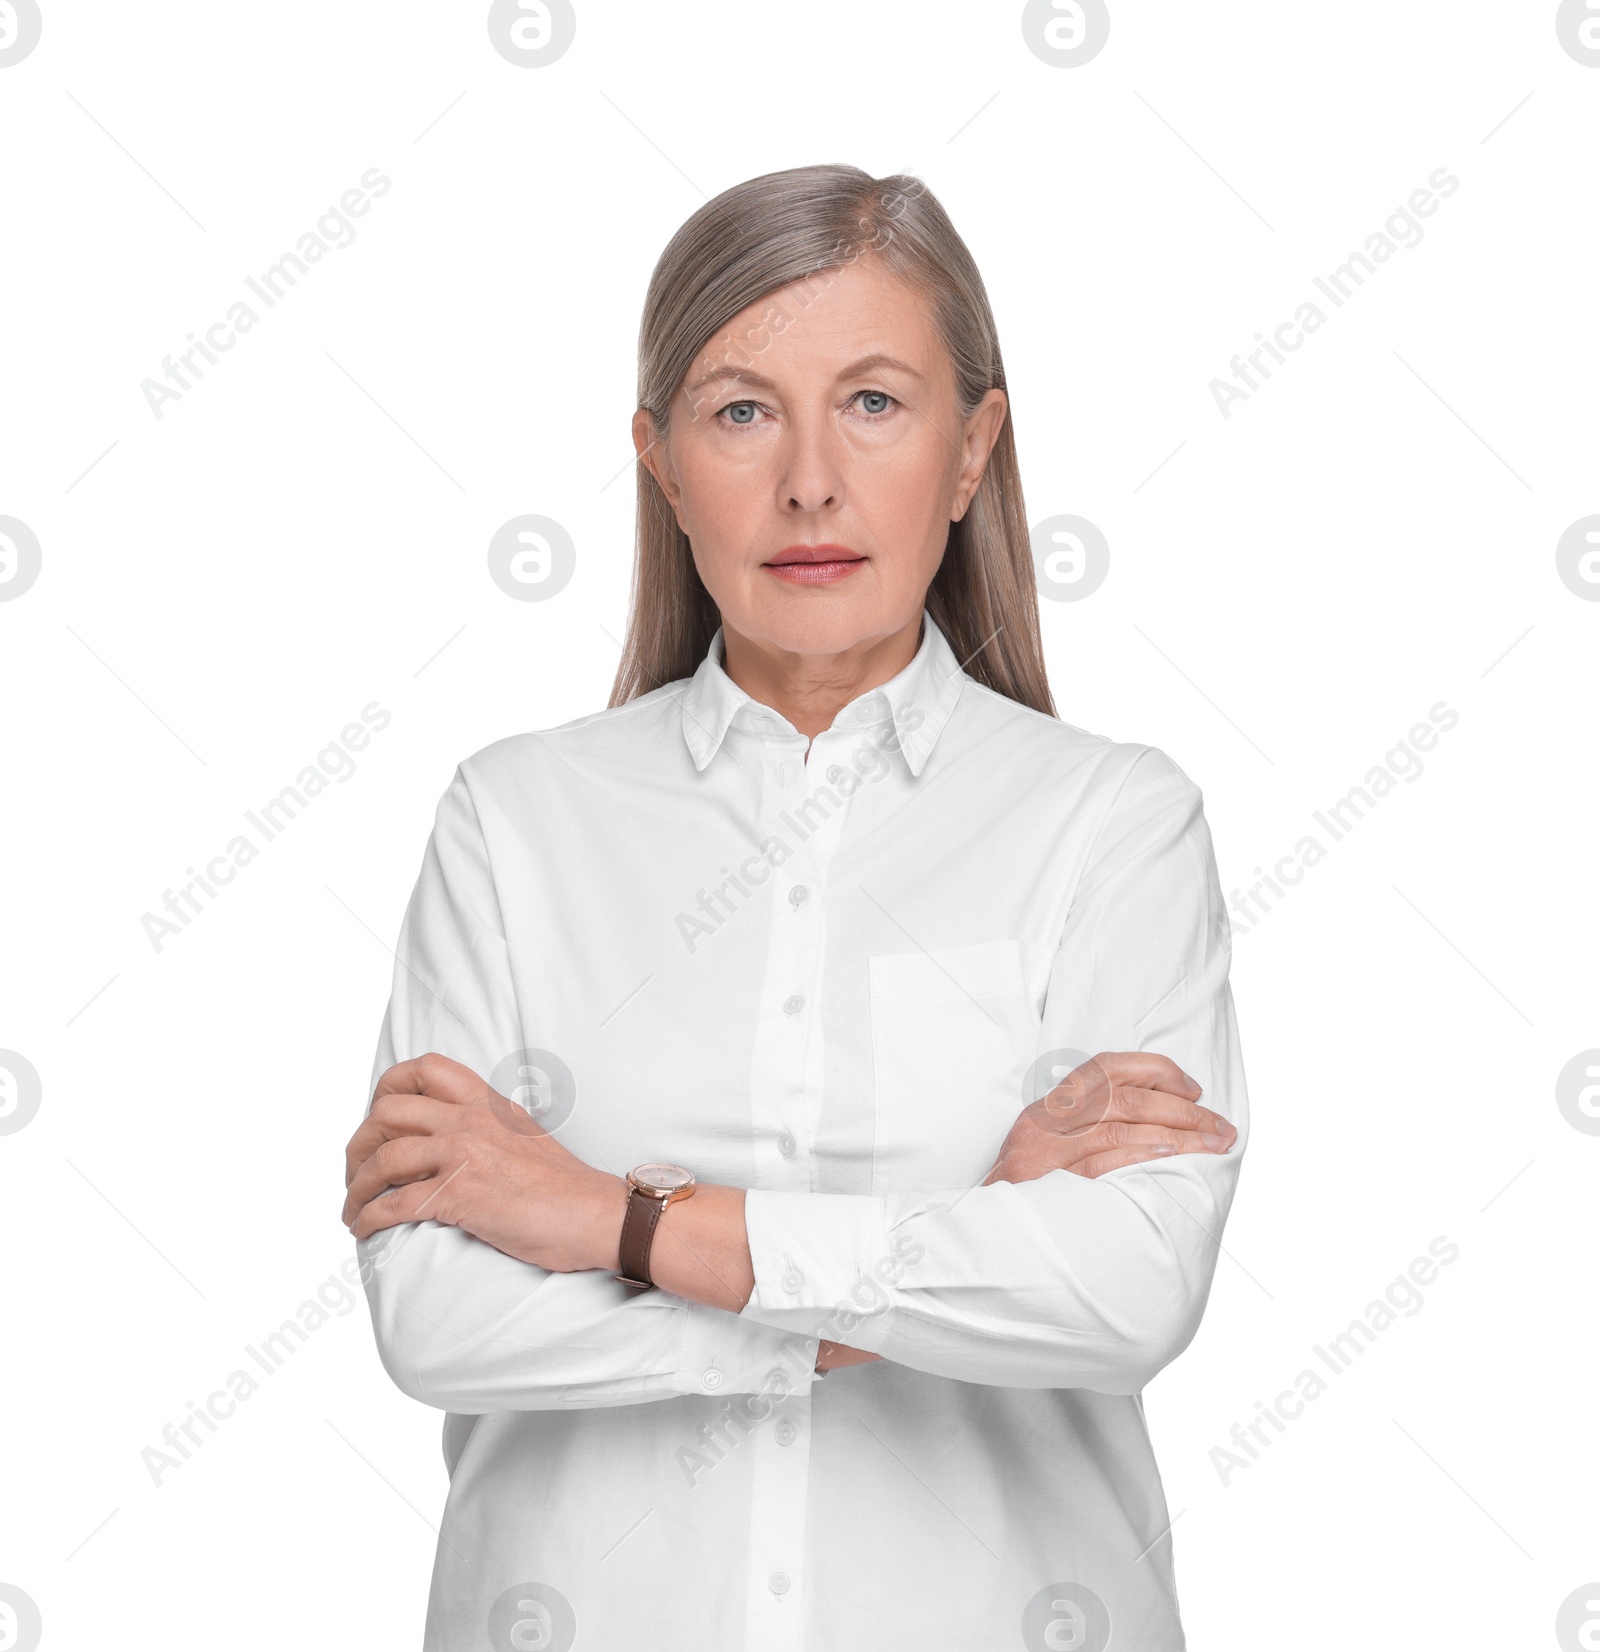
(651, 451)
(981, 432)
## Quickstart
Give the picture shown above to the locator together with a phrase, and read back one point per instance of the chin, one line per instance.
(824, 620)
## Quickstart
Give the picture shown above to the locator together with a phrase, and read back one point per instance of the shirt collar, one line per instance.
(929, 685)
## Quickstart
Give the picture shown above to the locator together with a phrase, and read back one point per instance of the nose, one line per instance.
(812, 477)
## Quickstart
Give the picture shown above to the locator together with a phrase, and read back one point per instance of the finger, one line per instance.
(1148, 1070)
(1144, 1070)
(415, 1202)
(1158, 1107)
(395, 1163)
(1118, 1158)
(1114, 1158)
(1089, 1092)
(1046, 1151)
(395, 1115)
(433, 1075)
(1116, 1133)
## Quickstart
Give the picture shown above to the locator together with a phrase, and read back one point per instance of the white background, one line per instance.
(304, 532)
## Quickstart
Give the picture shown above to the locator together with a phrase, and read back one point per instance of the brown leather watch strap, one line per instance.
(638, 1229)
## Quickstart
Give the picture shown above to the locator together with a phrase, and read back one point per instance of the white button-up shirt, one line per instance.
(831, 975)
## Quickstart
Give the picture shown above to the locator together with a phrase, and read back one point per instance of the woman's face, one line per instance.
(824, 415)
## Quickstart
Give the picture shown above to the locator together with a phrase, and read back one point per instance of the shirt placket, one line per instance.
(785, 1098)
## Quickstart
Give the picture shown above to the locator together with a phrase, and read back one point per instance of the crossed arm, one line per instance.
(1092, 1278)
(439, 1144)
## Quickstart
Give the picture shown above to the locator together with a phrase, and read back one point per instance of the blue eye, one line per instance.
(742, 414)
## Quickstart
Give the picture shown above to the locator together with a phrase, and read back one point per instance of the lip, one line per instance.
(815, 564)
(814, 553)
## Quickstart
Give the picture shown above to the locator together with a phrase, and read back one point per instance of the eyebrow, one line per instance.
(867, 364)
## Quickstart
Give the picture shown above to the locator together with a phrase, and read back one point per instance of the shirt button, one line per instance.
(797, 895)
(778, 1583)
(792, 1003)
(712, 1378)
(786, 1145)
(785, 1432)
(792, 1282)
(836, 775)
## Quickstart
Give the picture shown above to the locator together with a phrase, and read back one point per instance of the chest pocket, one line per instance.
(953, 1033)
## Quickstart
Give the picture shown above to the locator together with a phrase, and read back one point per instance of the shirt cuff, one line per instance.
(822, 1263)
(720, 1353)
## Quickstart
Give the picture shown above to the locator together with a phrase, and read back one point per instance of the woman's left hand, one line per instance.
(1113, 1110)
(440, 1145)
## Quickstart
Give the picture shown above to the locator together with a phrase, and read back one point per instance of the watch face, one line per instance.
(662, 1178)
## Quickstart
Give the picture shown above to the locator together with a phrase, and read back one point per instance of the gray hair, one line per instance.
(794, 227)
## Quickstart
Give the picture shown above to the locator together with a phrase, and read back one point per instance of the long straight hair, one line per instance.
(795, 226)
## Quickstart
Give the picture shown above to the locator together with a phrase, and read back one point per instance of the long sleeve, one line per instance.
(459, 1324)
(1065, 1281)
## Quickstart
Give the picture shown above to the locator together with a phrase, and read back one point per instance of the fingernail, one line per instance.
(1161, 1152)
(1213, 1142)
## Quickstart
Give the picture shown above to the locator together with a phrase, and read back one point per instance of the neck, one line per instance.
(809, 688)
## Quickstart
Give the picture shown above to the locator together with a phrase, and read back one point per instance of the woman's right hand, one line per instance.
(1114, 1110)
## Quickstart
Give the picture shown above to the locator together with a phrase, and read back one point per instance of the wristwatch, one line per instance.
(651, 1188)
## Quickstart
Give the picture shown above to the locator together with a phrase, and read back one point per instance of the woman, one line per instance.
(882, 983)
